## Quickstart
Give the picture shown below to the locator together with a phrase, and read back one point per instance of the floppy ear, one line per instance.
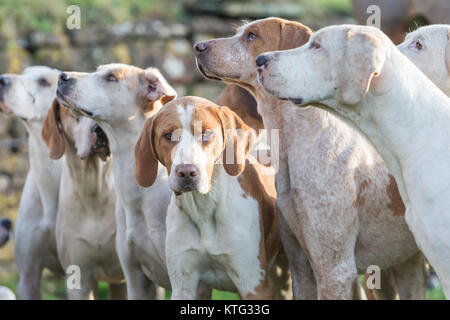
(363, 59)
(52, 133)
(156, 90)
(238, 140)
(146, 161)
(293, 34)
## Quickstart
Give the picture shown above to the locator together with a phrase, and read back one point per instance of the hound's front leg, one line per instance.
(184, 278)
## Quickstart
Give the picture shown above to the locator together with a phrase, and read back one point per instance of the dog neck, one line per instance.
(38, 151)
(91, 177)
(204, 209)
(401, 121)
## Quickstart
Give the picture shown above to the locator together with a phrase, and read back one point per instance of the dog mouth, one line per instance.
(101, 143)
(203, 69)
(72, 105)
(185, 186)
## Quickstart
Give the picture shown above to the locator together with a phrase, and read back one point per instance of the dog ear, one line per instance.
(146, 161)
(238, 140)
(52, 133)
(363, 58)
(293, 34)
(156, 90)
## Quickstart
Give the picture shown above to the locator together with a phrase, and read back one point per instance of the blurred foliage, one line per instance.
(50, 17)
(321, 8)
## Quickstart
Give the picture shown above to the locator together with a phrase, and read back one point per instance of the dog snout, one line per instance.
(6, 223)
(186, 171)
(201, 47)
(64, 78)
(4, 81)
(65, 81)
(261, 61)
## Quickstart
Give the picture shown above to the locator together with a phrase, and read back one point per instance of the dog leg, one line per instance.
(88, 289)
(203, 292)
(29, 245)
(29, 287)
(411, 278)
(117, 291)
(184, 284)
(281, 277)
(303, 281)
(388, 288)
(331, 251)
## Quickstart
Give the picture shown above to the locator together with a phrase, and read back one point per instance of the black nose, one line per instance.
(201, 46)
(186, 171)
(65, 82)
(261, 60)
(6, 223)
(5, 81)
(63, 77)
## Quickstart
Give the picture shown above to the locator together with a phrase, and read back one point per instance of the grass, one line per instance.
(38, 15)
(53, 287)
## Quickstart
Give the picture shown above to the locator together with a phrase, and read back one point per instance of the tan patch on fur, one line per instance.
(243, 104)
(396, 204)
(359, 202)
(262, 189)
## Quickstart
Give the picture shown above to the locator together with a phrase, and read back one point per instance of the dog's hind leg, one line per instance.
(117, 291)
(387, 290)
(88, 290)
(281, 277)
(411, 278)
(303, 281)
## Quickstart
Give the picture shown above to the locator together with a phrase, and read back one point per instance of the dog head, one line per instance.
(5, 231)
(429, 49)
(61, 126)
(337, 63)
(189, 136)
(233, 59)
(115, 93)
(28, 95)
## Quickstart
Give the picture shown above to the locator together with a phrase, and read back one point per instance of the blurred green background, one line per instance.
(141, 32)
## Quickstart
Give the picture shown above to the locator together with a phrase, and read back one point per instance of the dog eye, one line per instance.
(418, 45)
(111, 78)
(315, 45)
(207, 136)
(43, 82)
(152, 86)
(251, 36)
(168, 136)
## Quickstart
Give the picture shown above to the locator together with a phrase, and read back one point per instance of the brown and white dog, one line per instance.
(86, 225)
(120, 98)
(340, 209)
(221, 222)
(29, 96)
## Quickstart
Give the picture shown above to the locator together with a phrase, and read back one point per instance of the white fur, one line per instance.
(402, 113)
(140, 213)
(431, 54)
(188, 150)
(335, 213)
(35, 246)
(86, 224)
(209, 239)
